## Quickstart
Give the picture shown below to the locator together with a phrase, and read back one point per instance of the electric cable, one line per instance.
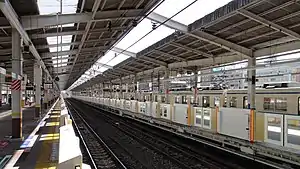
(160, 24)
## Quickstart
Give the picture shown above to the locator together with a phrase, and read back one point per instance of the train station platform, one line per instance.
(43, 147)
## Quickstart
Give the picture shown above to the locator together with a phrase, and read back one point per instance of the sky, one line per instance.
(168, 8)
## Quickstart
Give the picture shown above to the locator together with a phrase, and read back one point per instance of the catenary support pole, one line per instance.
(38, 83)
(251, 97)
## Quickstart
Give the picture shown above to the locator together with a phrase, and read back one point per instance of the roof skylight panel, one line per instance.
(60, 65)
(107, 57)
(60, 57)
(60, 48)
(197, 10)
(138, 32)
(53, 6)
(120, 58)
(60, 61)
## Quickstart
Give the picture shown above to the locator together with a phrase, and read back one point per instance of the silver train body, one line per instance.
(276, 119)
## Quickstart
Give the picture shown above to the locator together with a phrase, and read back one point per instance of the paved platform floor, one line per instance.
(4, 108)
(40, 148)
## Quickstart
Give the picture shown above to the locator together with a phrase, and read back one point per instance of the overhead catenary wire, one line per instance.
(160, 24)
(135, 19)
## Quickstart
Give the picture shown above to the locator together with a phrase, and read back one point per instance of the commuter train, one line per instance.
(279, 98)
(226, 112)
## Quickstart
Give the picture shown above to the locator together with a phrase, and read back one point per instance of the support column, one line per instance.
(23, 90)
(167, 85)
(102, 90)
(251, 96)
(121, 89)
(152, 90)
(17, 66)
(2, 81)
(111, 89)
(195, 86)
(135, 88)
(38, 83)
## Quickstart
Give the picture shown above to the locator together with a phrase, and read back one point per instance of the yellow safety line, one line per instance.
(43, 161)
(15, 114)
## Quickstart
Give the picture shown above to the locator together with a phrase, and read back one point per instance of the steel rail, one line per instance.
(115, 158)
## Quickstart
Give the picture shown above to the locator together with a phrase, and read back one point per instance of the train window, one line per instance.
(184, 100)
(269, 103)
(165, 112)
(198, 116)
(245, 102)
(155, 98)
(225, 102)
(205, 101)
(281, 104)
(233, 102)
(192, 99)
(275, 104)
(217, 101)
(163, 99)
(161, 110)
(177, 99)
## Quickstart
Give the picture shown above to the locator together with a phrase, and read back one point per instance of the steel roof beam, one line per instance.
(191, 49)
(50, 59)
(268, 23)
(170, 23)
(55, 45)
(202, 35)
(248, 20)
(169, 55)
(73, 43)
(274, 49)
(55, 54)
(133, 55)
(103, 65)
(13, 18)
(87, 29)
(79, 32)
(5, 39)
(122, 70)
(5, 51)
(42, 21)
(122, 51)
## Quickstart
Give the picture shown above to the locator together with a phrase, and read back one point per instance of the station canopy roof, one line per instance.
(144, 36)
(208, 34)
(100, 41)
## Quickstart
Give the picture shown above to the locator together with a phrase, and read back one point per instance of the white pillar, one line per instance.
(2, 81)
(24, 95)
(251, 96)
(17, 66)
(167, 85)
(195, 86)
(38, 83)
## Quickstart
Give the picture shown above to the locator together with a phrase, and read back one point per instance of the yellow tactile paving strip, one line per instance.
(48, 155)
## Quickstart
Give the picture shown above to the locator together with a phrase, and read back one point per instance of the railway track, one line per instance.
(177, 156)
(182, 156)
(133, 154)
(99, 154)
